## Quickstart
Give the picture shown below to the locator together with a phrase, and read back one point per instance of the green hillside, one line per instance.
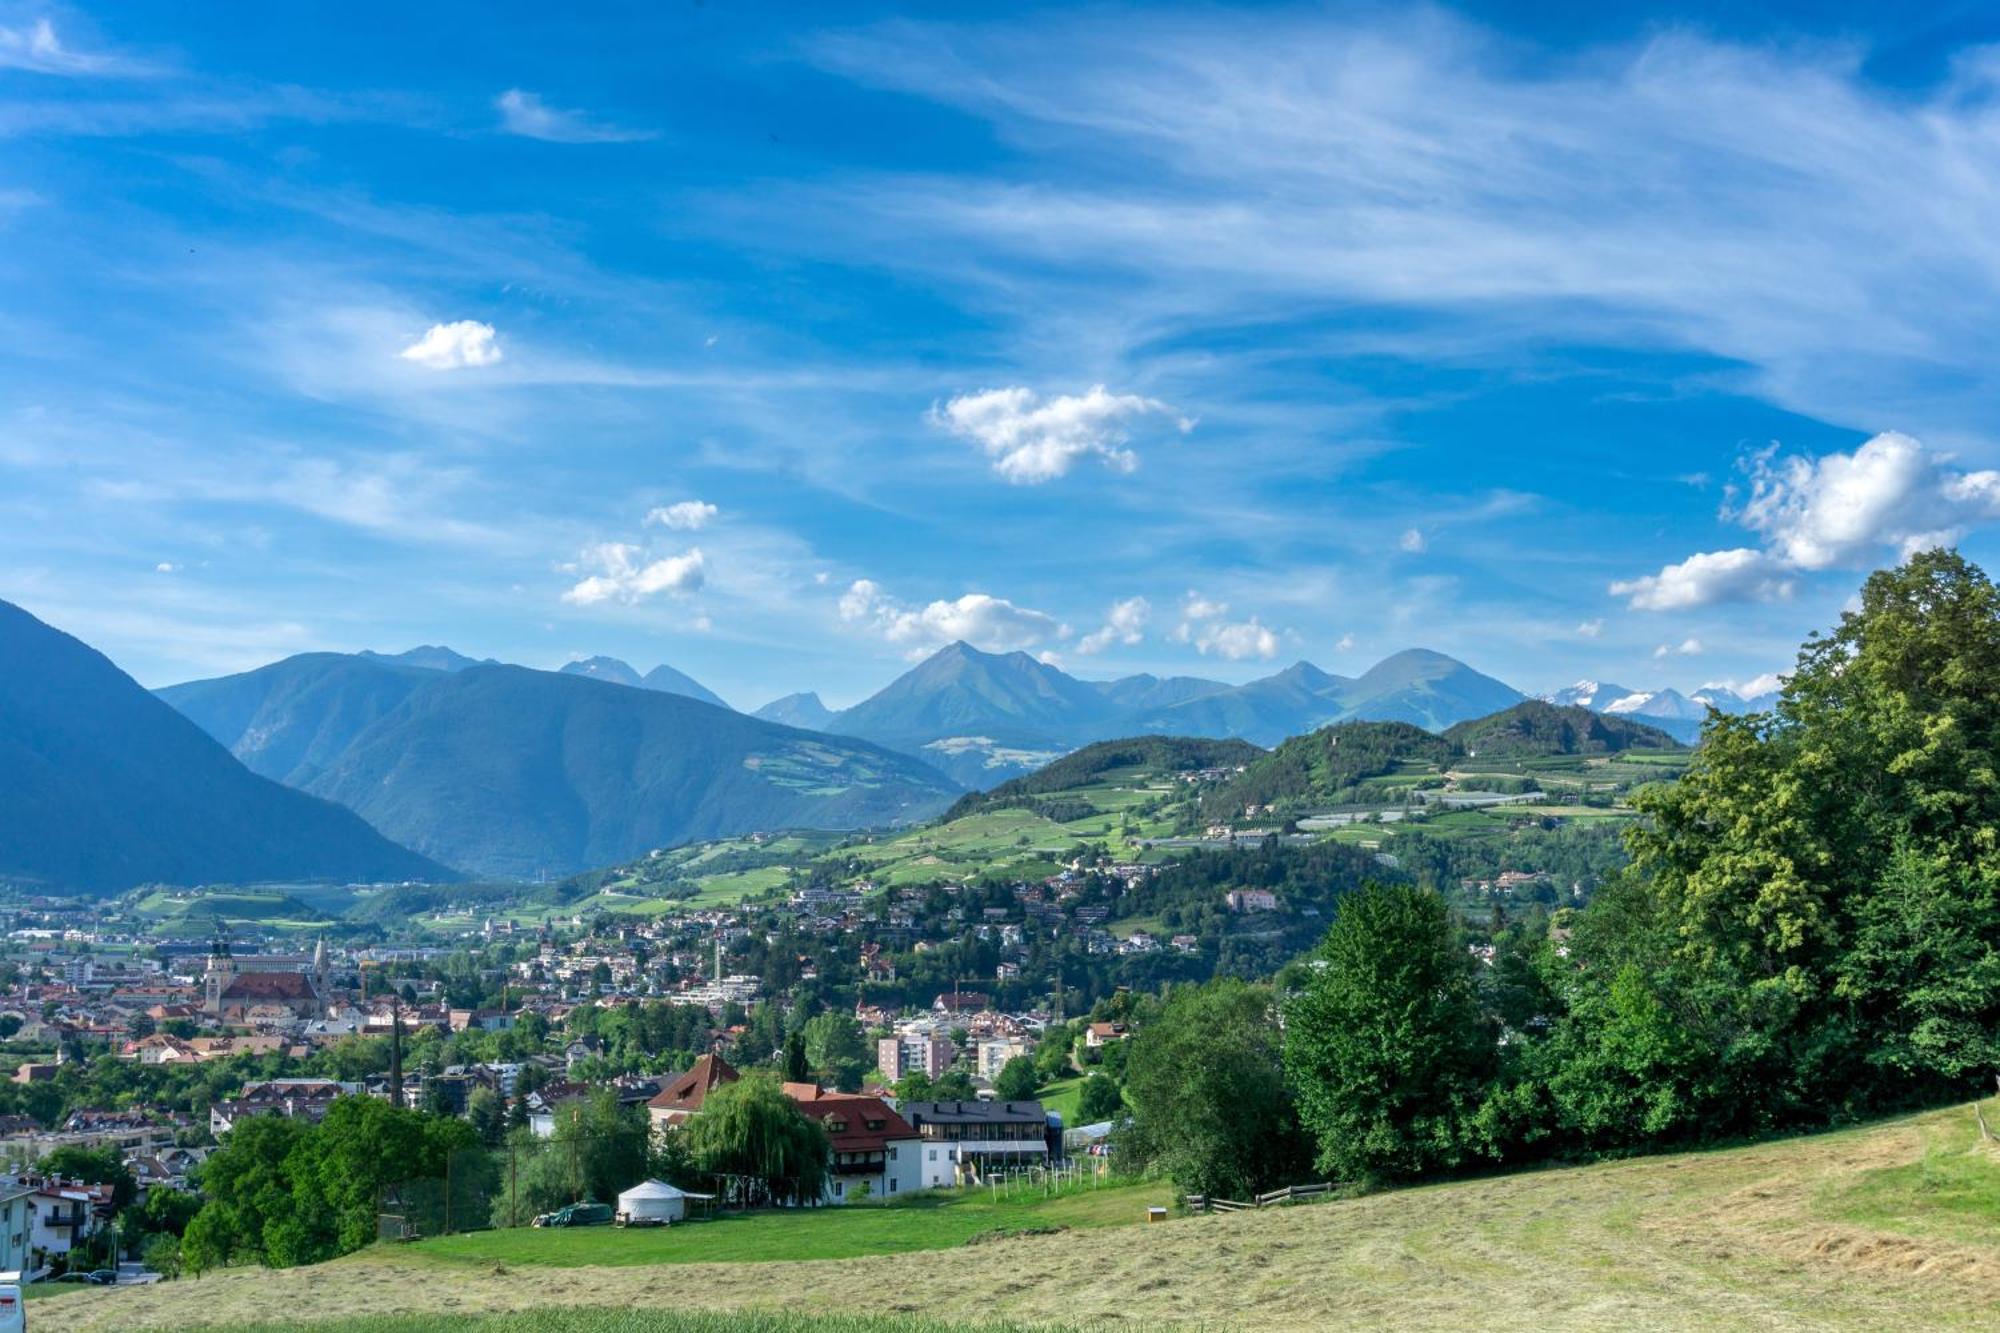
(1135, 759)
(1326, 767)
(1532, 728)
(513, 773)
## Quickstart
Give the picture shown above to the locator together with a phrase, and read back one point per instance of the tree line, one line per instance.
(1808, 933)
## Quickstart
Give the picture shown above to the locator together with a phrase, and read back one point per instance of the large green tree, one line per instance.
(1207, 1088)
(1826, 878)
(751, 1133)
(1386, 1046)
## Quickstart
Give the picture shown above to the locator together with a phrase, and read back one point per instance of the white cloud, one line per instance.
(166, 567)
(1590, 629)
(626, 573)
(1845, 509)
(684, 515)
(454, 346)
(38, 50)
(1685, 648)
(1705, 578)
(1344, 644)
(524, 113)
(990, 623)
(1838, 510)
(1124, 624)
(1032, 441)
(1412, 541)
(1202, 625)
(1412, 159)
(1768, 683)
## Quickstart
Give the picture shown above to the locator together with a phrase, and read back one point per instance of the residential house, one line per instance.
(872, 1145)
(964, 1141)
(681, 1096)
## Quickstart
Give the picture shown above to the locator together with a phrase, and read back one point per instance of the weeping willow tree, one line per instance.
(753, 1135)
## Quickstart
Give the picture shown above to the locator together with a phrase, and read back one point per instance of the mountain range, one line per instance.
(1679, 715)
(986, 717)
(103, 786)
(509, 772)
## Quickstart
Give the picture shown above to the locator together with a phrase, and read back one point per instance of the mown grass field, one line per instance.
(1891, 1226)
(632, 1321)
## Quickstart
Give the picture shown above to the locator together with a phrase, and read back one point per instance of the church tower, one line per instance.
(221, 971)
(322, 978)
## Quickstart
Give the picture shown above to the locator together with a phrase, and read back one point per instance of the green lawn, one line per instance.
(1951, 1192)
(1061, 1096)
(927, 1222)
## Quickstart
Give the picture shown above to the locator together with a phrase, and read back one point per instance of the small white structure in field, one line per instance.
(653, 1202)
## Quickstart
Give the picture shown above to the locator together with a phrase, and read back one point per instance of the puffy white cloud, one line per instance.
(524, 113)
(1768, 683)
(1344, 644)
(1031, 440)
(454, 346)
(626, 573)
(684, 515)
(1705, 578)
(1412, 541)
(1590, 629)
(166, 567)
(1125, 623)
(991, 623)
(1202, 624)
(1685, 648)
(1890, 494)
(1844, 509)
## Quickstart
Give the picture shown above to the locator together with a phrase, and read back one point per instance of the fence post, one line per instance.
(513, 1185)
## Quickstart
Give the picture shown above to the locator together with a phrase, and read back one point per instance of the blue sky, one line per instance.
(787, 346)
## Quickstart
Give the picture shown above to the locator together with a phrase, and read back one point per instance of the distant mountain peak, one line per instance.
(604, 668)
(662, 678)
(431, 656)
(804, 709)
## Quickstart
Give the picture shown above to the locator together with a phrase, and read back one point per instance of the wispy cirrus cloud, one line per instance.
(37, 49)
(1208, 170)
(527, 115)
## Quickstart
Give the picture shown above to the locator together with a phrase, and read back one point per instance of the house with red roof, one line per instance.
(876, 1154)
(682, 1095)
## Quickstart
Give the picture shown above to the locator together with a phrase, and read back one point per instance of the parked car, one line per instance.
(102, 1277)
(577, 1215)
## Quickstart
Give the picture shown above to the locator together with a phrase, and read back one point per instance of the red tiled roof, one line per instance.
(268, 986)
(686, 1092)
(867, 1123)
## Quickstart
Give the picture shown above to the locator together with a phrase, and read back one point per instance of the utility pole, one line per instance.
(395, 1048)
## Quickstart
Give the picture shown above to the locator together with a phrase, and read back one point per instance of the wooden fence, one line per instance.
(1203, 1203)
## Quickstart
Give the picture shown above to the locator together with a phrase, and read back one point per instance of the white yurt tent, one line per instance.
(654, 1201)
